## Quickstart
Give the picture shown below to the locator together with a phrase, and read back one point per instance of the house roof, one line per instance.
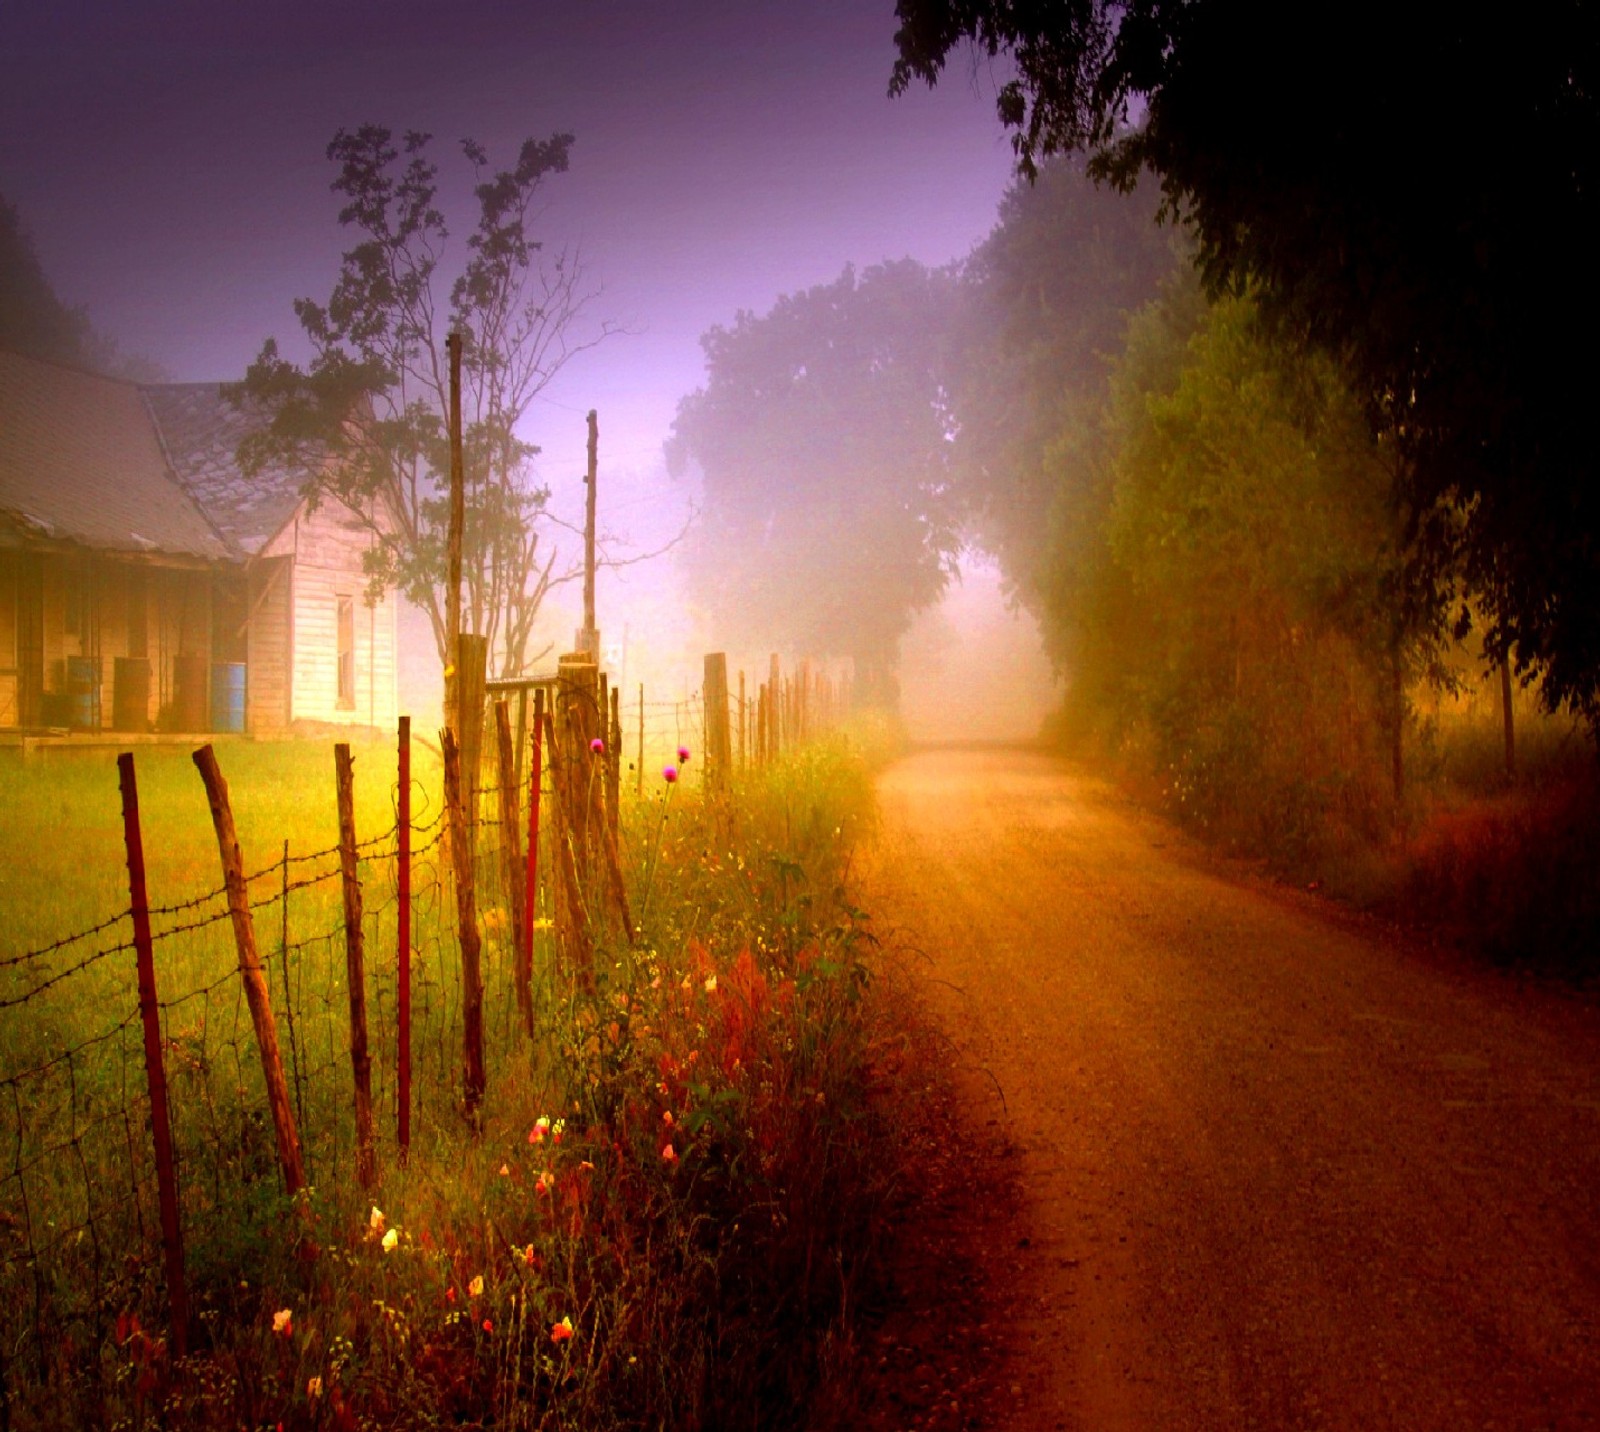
(80, 461)
(201, 431)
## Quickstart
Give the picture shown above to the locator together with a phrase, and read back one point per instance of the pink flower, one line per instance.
(488, 1327)
(669, 1154)
(669, 774)
(683, 755)
(597, 745)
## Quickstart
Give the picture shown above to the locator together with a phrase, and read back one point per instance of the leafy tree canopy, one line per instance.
(34, 321)
(1046, 299)
(366, 421)
(823, 436)
(1414, 188)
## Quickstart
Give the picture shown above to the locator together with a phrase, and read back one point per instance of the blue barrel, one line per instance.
(227, 695)
(83, 693)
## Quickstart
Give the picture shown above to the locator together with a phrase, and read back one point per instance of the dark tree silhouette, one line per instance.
(1416, 189)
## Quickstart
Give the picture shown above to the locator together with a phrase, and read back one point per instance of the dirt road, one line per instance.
(1276, 1170)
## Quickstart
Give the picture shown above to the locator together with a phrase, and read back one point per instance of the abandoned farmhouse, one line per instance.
(148, 584)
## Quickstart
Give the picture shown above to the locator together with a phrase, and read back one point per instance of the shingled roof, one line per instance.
(201, 431)
(128, 468)
(80, 461)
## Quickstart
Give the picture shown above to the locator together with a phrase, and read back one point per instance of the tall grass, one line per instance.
(675, 1193)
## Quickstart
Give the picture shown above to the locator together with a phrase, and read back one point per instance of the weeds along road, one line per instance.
(1275, 1169)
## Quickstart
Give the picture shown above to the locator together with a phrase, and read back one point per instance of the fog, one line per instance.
(974, 669)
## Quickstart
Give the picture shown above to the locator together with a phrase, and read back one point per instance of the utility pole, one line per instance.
(457, 522)
(588, 640)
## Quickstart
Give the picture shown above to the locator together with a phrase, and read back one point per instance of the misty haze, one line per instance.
(857, 716)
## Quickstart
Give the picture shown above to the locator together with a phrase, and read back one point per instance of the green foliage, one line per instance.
(822, 437)
(1229, 611)
(1438, 251)
(1044, 303)
(366, 421)
(32, 319)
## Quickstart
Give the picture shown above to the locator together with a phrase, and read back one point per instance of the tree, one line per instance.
(1045, 300)
(34, 320)
(1238, 594)
(366, 421)
(823, 436)
(1420, 201)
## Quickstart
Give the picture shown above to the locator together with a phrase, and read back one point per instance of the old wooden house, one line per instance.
(147, 583)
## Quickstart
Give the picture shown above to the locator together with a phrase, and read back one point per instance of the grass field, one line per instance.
(669, 1200)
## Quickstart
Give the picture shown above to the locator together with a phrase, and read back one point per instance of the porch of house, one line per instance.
(93, 644)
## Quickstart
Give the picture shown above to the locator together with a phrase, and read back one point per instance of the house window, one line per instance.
(347, 653)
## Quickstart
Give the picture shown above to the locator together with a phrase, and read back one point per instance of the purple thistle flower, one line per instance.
(597, 745)
(683, 755)
(669, 774)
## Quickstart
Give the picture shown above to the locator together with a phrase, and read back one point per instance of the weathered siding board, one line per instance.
(327, 547)
(267, 654)
(10, 708)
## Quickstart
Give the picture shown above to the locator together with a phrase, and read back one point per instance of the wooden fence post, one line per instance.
(639, 787)
(774, 711)
(743, 757)
(403, 938)
(471, 667)
(355, 966)
(155, 1069)
(572, 933)
(530, 889)
(467, 921)
(511, 863)
(717, 744)
(255, 981)
(614, 764)
(577, 721)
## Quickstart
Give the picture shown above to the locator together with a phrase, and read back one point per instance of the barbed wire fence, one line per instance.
(81, 1217)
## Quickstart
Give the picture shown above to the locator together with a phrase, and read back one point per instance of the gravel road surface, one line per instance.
(1277, 1168)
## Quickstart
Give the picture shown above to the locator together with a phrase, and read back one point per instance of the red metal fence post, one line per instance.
(154, 1066)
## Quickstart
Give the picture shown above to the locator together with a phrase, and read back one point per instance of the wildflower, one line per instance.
(683, 755)
(505, 1170)
(666, 1116)
(314, 1388)
(390, 1240)
(450, 1295)
(561, 1331)
(669, 1154)
(557, 1129)
(488, 1327)
(711, 984)
(282, 1322)
(669, 774)
(375, 1222)
(475, 1287)
(546, 1182)
(541, 1127)
(597, 745)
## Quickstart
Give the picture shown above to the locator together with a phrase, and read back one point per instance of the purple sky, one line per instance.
(168, 159)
